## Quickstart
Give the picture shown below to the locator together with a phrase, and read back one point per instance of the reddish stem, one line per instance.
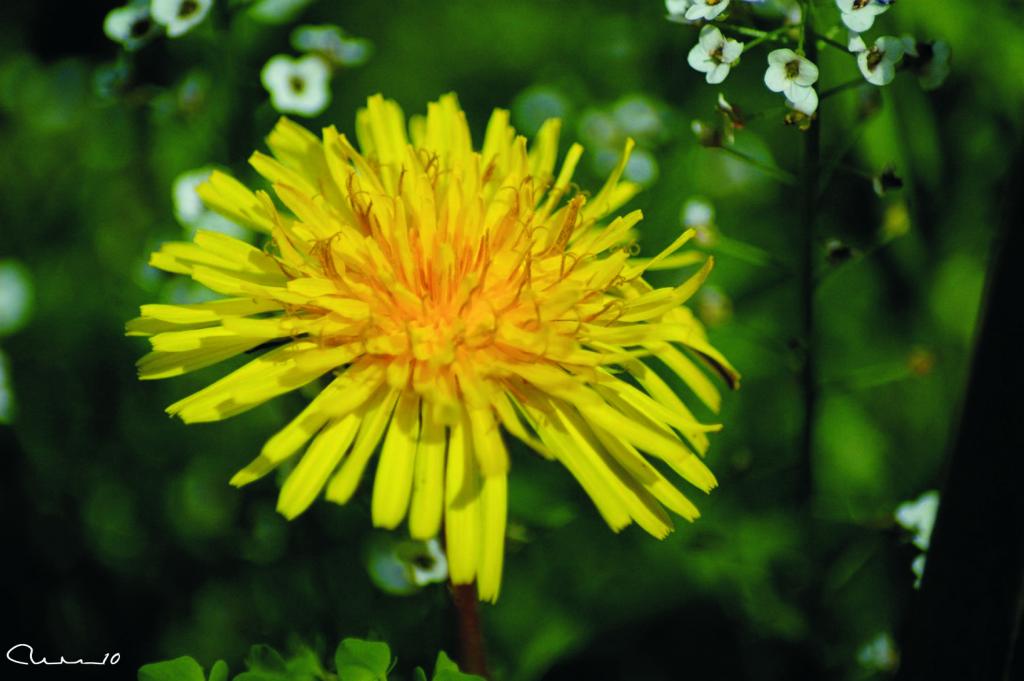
(472, 656)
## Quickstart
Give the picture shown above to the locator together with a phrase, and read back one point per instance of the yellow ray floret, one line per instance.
(453, 298)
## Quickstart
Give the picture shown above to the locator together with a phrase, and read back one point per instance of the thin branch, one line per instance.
(776, 172)
(842, 87)
(836, 44)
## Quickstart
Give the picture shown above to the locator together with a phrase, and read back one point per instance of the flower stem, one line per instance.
(472, 654)
(842, 87)
(834, 43)
(808, 217)
(776, 36)
(746, 30)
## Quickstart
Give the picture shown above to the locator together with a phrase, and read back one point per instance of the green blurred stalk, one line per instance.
(810, 167)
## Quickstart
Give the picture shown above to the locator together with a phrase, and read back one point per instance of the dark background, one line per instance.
(121, 532)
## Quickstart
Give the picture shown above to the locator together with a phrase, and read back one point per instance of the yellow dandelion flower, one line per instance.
(449, 294)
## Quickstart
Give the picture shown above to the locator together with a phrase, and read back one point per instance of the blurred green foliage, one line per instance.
(126, 533)
(354, 660)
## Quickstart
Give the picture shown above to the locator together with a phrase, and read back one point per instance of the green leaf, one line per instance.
(419, 675)
(264, 658)
(358, 660)
(266, 664)
(446, 670)
(304, 664)
(219, 671)
(180, 669)
(444, 664)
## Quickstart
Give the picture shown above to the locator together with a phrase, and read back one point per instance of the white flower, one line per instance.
(190, 210)
(705, 9)
(403, 567)
(179, 16)
(431, 566)
(677, 8)
(859, 15)
(879, 63)
(698, 212)
(794, 76)
(332, 44)
(714, 54)
(642, 167)
(918, 516)
(131, 25)
(297, 86)
(931, 64)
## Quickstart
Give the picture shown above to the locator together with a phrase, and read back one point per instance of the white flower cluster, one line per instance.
(878, 63)
(789, 71)
(137, 22)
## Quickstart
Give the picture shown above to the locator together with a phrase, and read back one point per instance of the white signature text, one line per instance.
(23, 654)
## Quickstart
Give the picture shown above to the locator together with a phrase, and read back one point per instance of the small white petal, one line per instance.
(892, 47)
(710, 38)
(858, 20)
(677, 7)
(856, 43)
(731, 51)
(698, 59)
(700, 9)
(884, 74)
(718, 74)
(781, 57)
(808, 73)
(775, 78)
(715, 10)
(803, 99)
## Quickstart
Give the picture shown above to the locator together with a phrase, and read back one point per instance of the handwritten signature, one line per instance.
(28, 657)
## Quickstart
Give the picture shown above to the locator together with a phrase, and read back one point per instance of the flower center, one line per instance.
(140, 28)
(861, 4)
(712, 3)
(187, 8)
(875, 58)
(296, 84)
(793, 69)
